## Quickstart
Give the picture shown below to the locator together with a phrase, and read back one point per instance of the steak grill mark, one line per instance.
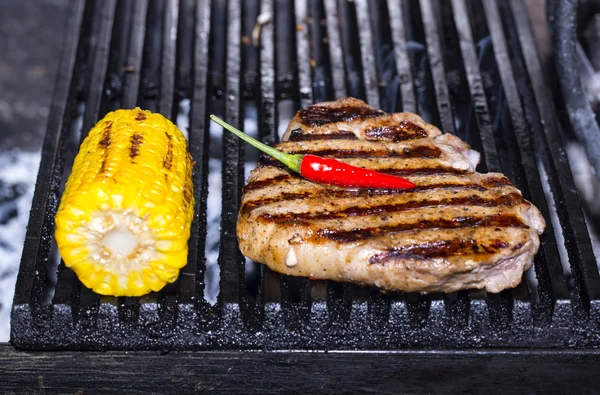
(424, 152)
(319, 115)
(347, 193)
(498, 220)
(512, 199)
(438, 249)
(404, 131)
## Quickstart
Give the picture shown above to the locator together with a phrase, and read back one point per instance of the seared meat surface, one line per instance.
(457, 229)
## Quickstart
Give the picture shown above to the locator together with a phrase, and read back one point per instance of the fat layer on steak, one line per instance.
(458, 229)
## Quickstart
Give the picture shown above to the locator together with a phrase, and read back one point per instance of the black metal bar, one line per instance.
(149, 89)
(339, 295)
(352, 51)
(133, 62)
(577, 241)
(113, 84)
(167, 66)
(405, 75)
(303, 53)
(336, 55)
(267, 118)
(191, 283)
(471, 65)
(86, 305)
(294, 291)
(367, 53)
(230, 259)
(500, 305)
(166, 297)
(319, 55)
(66, 277)
(436, 63)
(184, 53)
(548, 255)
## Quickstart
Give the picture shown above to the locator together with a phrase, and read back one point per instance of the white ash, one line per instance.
(183, 117)
(18, 171)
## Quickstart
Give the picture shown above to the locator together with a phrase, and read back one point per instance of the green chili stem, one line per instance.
(290, 160)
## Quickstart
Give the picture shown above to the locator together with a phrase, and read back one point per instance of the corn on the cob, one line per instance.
(124, 219)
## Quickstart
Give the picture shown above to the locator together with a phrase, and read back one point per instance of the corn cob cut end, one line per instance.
(124, 219)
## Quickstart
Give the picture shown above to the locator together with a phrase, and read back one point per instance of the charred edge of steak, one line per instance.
(297, 135)
(348, 236)
(438, 249)
(348, 193)
(423, 151)
(473, 200)
(404, 131)
(320, 115)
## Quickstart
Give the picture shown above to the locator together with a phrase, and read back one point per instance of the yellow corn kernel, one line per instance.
(124, 219)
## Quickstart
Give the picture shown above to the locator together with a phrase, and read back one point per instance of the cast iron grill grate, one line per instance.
(470, 67)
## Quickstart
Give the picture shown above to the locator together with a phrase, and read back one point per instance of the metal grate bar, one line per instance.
(230, 259)
(295, 292)
(500, 306)
(133, 65)
(167, 297)
(336, 56)
(267, 119)
(548, 254)
(71, 62)
(351, 51)
(184, 57)
(87, 304)
(339, 295)
(128, 308)
(113, 83)
(480, 107)
(192, 284)
(251, 287)
(436, 63)
(367, 53)
(577, 241)
(405, 75)
(378, 309)
(167, 67)
(303, 52)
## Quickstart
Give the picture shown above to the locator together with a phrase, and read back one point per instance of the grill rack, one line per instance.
(428, 56)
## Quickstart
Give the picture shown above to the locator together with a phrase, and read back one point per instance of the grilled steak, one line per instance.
(457, 229)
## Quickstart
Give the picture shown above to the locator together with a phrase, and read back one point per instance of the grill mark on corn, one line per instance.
(298, 135)
(247, 207)
(511, 199)
(188, 187)
(168, 159)
(438, 249)
(103, 144)
(349, 236)
(134, 150)
(320, 115)
(425, 152)
(405, 131)
(140, 116)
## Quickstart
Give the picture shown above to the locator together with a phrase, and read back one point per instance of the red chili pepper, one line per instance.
(325, 170)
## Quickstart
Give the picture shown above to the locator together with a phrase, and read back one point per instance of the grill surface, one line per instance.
(470, 67)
